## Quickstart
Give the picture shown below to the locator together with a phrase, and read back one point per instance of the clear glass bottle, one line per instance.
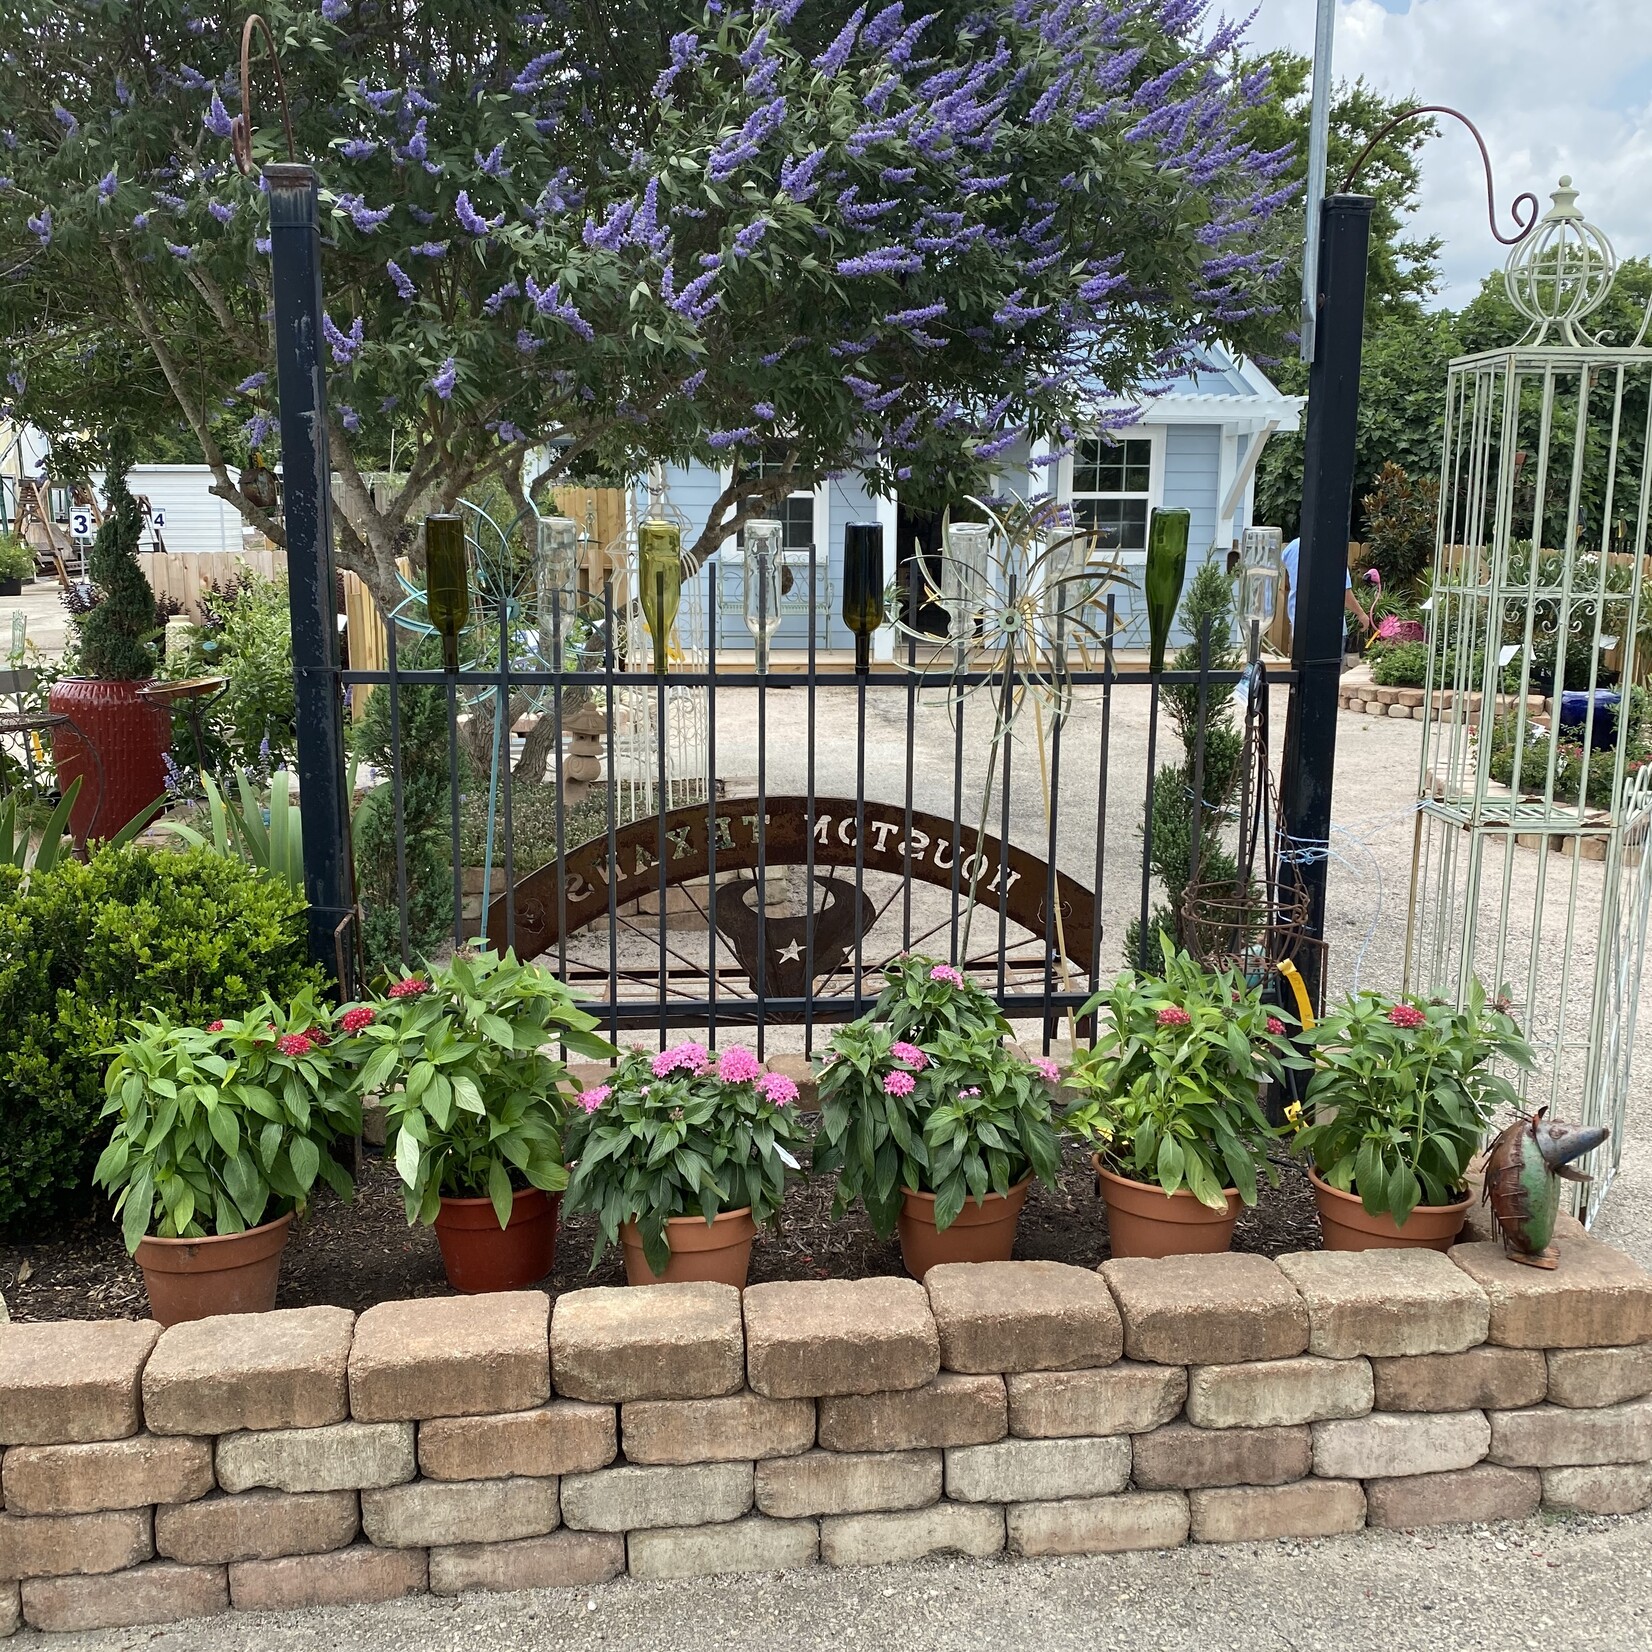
(964, 583)
(763, 564)
(556, 584)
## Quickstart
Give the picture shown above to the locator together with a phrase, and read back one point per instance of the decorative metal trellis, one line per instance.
(1529, 869)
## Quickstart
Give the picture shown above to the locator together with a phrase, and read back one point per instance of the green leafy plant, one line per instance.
(1400, 665)
(682, 1133)
(476, 1109)
(1404, 1091)
(1401, 514)
(1170, 1091)
(84, 946)
(921, 1093)
(19, 846)
(115, 635)
(275, 845)
(220, 1128)
(16, 557)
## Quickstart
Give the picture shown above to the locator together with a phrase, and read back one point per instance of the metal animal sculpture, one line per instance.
(1524, 1170)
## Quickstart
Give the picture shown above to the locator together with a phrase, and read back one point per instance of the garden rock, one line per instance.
(256, 1525)
(742, 1427)
(630, 1498)
(1595, 1298)
(71, 1381)
(158, 1593)
(648, 1342)
(1388, 1447)
(880, 1539)
(343, 1457)
(66, 1545)
(114, 1474)
(1615, 1488)
(1246, 1514)
(564, 1437)
(852, 1482)
(1022, 1471)
(559, 1560)
(1099, 1525)
(1273, 1393)
(1599, 1376)
(952, 1410)
(839, 1336)
(430, 1512)
(751, 1544)
(1022, 1316)
(1482, 1379)
(1180, 1457)
(361, 1574)
(1556, 1436)
(1387, 1303)
(1206, 1310)
(1457, 1497)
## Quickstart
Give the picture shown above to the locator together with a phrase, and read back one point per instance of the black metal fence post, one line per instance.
(295, 253)
(1327, 507)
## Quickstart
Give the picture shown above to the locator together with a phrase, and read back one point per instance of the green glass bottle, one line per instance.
(447, 583)
(863, 587)
(660, 571)
(1167, 532)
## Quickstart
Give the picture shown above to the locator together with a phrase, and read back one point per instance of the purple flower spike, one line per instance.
(403, 281)
(41, 226)
(217, 119)
(108, 184)
(445, 379)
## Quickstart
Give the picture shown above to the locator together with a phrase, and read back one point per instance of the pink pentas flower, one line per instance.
(910, 1054)
(352, 1021)
(738, 1066)
(1407, 1016)
(1173, 1015)
(1046, 1069)
(215, 1026)
(1275, 1025)
(777, 1089)
(591, 1100)
(410, 987)
(295, 1044)
(689, 1058)
(945, 972)
(899, 1084)
(970, 1094)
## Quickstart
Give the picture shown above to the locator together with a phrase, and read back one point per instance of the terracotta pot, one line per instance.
(718, 1251)
(1345, 1224)
(1144, 1220)
(982, 1232)
(479, 1255)
(130, 738)
(231, 1273)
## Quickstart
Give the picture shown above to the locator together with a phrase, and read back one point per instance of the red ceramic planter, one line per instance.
(130, 738)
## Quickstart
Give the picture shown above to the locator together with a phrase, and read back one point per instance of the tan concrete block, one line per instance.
(1386, 1446)
(1246, 1514)
(839, 1336)
(277, 1370)
(838, 1482)
(1599, 1376)
(1099, 1525)
(1458, 1497)
(458, 1356)
(564, 1437)
(1595, 1298)
(1207, 1310)
(952, 1410)
(255, 1525)
(1606, 1488)
(156, 1593)
(630, 1498)
(1274, 1393)
(340, 1457)
(750, 1544)
(359, 1575)
(69, 1381)
(1180, 1457)
(734, 1428)
(976, 1530)
(1022, 1316)
(1387, 1302)
(801, 1071)
(1126, 1398)
(1482, 1379)
(560, 1560)
(109, 1474)
(653, 1342)
(68, 1545)
(1028, 1471)
(1556, 1436)
(425, 1514)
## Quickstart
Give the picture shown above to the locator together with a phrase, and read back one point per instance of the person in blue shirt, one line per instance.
(1289, 558)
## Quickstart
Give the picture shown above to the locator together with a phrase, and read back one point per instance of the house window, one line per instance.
(795, 513)
(1112, 485)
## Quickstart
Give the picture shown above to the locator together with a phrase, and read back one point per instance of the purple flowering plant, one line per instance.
(685, 1132)
(923, 1093)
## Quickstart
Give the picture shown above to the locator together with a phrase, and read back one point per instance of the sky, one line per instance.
(1556, 86)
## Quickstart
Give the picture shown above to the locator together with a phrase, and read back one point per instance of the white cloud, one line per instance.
(1556, 86)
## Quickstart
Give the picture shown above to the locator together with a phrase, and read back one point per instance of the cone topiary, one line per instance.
(114, 636)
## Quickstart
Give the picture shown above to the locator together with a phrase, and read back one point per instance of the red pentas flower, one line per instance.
(410, 988)
(1173, 1015)
(318, 1037)
(215, 1026)
(1275, 1025)
(294, 1044)
(1407, 1016)
(352, 1021)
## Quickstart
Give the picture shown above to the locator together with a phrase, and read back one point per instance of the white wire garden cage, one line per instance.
(1529, 869)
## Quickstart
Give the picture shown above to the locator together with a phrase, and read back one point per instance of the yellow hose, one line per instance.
(1304, 1009)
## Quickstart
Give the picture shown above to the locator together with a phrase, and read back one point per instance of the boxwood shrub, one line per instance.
(87, 945)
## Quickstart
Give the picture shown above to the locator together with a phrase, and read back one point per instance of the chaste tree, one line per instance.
(563, 242)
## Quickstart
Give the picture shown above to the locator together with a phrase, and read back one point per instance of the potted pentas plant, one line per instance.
(461, 1056)
(1400, 1098)
(931, 1122)
(221, 1134)
(680, 1156)
(1170, 1097)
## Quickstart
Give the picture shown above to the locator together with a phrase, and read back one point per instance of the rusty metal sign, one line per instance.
(1012, 879)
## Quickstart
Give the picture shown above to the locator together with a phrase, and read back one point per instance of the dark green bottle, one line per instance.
(863, 587)
(447, 583)
(1167, 532)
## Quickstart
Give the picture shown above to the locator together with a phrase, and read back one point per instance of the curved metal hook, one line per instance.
(240, 136)
(1522, 223)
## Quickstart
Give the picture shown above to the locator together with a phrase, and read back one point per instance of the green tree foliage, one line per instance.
(1401, 516)
(90, 944)
(631, 230)
(114, 635)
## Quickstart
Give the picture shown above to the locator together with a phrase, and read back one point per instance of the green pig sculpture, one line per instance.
(1524, 1170)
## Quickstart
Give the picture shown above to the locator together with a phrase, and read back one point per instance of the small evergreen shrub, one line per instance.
(1400, 665)
(115, 635)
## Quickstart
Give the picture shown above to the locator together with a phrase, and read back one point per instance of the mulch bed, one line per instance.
(358, 1254)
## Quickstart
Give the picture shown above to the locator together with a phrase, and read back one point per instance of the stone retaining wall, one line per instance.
(1359, 694)
(311, 1457)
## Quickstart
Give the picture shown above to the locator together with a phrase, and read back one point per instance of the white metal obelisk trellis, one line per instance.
(1530, 862)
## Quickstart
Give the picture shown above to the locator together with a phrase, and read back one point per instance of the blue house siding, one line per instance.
(1192, 465)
